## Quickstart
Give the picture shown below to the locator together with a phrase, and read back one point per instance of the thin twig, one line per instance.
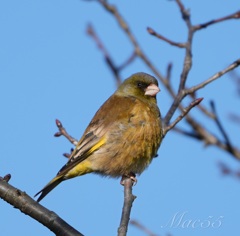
(184, 92)
(6, 178)
(167, 80)
(127, 206)
(142, 228)
(184, 113)
(187, 65)
(128, 61)
(124, 26)
(232, 66)
(205, 111)
(185, 13)
(108, 59)
(220, 127)
(169, 71)
(62, 131)
(154, 33)
(235, 15)
(187, 133)
(209, 138)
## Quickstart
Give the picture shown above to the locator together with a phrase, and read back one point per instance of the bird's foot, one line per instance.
(132, 176)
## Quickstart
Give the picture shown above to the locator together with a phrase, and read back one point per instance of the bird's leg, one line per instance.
(131, 175)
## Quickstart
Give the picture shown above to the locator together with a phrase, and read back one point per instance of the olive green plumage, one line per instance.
(123, 136)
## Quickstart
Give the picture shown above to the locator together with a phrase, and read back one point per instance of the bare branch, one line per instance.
(235, 15)
(28, 206)
(210, 139)
(108, 59)
(154, 33)
(169, 71)
(113, 10)
(142, 228)
(124, 26)
(220, 126)
(127, 206)
(184, 92)
(185, 13)
(128, 61)
(187, 65)
(214, 77)
(62, 131)
(184, 113)
(187, 133)
(205, 111)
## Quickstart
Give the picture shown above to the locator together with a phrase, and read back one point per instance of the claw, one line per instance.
(132, 176)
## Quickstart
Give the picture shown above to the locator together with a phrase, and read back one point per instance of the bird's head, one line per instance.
(140, 85)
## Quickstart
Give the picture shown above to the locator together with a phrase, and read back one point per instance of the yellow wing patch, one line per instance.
(84, 166)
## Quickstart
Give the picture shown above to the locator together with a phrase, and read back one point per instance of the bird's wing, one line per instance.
(83, 151)
(113, 110)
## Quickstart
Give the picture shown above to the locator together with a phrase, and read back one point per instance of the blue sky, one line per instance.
(50, 69)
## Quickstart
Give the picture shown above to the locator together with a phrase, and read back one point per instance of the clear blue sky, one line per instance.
(50, 68)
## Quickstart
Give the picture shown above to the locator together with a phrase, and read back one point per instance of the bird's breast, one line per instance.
(131, 143)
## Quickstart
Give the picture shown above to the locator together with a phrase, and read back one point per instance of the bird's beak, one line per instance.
(152, 90)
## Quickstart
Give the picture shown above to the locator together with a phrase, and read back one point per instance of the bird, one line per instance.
(121, 139)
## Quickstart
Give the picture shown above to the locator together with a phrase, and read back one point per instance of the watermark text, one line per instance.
(182, 220)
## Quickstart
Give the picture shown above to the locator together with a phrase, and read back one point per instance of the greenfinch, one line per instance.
(123, 136)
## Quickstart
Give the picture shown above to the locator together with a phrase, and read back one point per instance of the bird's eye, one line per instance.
(140, 85)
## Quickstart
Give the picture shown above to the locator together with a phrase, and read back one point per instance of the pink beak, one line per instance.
(152, 90)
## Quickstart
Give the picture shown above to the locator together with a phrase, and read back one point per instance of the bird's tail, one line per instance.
(49, 187)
